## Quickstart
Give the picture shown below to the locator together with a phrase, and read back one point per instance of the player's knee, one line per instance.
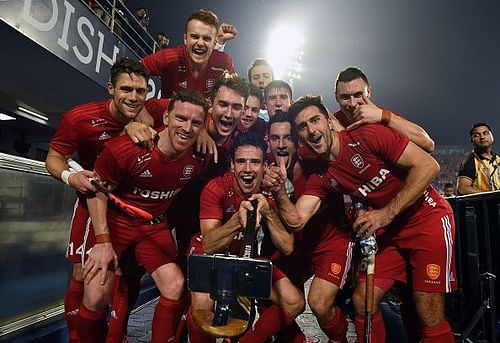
(174, 288)
(201, 301)
(430, 308)
(96, 298)
(320, 305)
(358, 300)
(294, 306)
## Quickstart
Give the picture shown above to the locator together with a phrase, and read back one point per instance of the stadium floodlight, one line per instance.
(285, 53)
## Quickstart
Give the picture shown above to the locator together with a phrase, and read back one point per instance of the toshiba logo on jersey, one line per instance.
(155, 195)
(374, 182)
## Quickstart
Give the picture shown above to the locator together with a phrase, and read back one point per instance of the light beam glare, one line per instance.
(284, 52)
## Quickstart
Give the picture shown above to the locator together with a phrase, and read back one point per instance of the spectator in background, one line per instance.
(479, 172)
(194, 65)
(142, 17)
(162, 39)
(448, 190)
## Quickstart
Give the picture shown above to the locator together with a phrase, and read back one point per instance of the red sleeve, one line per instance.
(230, 64)
(65, 140)
(212, 195)
(314, 187)
(387, 143)
(157, 63)
(156, 108)
(109, 168)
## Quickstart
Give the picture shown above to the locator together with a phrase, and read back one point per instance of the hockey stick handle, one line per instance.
(369, 296)
(125, 207)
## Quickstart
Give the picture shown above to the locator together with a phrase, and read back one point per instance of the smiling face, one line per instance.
(200, 42)
(184, 123)
(349, 96)
(248, 166)
(227, 109)
(128, 96)
(252, 110)
(314, 130)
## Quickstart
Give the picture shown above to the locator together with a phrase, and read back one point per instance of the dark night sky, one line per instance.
(436, 62)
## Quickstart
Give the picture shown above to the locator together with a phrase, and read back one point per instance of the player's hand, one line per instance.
(141, 134)
(366, 113)
(262, 209)
(367, 223)
(206, 145)
(226, 32)
(80, 181)
(100, 257)
(274, 180)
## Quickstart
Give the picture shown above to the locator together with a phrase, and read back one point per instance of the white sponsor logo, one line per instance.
(143, 158)
(155, 195)
(97, 122)
(218, 69)
(353, 144)
(428, 199)
(374, 182)
(146, 173)
(104, 136)
(357, 161)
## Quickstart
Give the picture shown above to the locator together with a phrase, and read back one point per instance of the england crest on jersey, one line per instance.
(357, 161)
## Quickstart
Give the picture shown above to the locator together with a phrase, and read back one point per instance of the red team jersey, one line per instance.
(220, 201)
(173, 67)
(146, 179)
(85, 129)
(365, 167)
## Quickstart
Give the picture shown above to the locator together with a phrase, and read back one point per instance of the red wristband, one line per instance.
(386, 117)
(102, 238)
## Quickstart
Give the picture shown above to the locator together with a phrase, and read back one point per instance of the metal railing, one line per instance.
(124, 24)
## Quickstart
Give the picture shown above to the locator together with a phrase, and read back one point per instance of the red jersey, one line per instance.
(156, 108)
(146, 179)
(220, 201)
(85, 128)
(173, 67)
(365, 167)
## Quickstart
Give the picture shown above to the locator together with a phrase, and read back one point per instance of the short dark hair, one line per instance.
(249, 138)
(255, 91)
(232, 81)
(283, 117)
(191, 96)
(259, 62)
(128, 66)
(277, 84)
(206, 17)
(448, 185)
(304, 102)
(349, 74)
(478, 125)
